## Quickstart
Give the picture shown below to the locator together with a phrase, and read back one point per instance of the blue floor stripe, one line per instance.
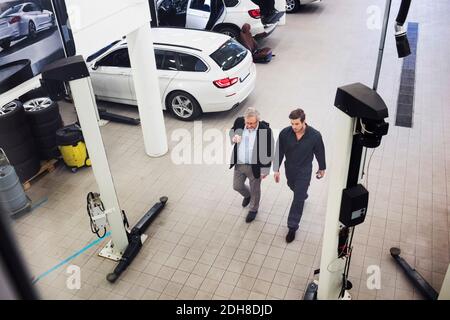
(107, 235)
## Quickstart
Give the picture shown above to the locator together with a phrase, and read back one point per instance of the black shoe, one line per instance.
(272, 17)
(251, 216)
(290, 236)
(245, 202)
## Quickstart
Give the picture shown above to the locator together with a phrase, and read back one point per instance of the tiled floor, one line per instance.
(200, 246)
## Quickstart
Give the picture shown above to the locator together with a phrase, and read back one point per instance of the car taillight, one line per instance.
(255, 13)
(14, 20)
(225, 83)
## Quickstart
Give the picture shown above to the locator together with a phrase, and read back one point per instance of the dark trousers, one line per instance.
(266, 6)
(299, 185)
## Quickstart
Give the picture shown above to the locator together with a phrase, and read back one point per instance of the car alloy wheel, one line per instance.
(37, 104)
(8, 108)
(292, 6)
(182, 106)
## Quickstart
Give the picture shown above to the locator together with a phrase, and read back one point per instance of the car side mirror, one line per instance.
(94, 66)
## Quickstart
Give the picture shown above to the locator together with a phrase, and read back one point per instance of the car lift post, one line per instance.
(75, 71)
(124, 246)
(348, 165)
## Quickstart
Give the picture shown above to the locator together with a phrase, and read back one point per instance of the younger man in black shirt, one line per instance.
(298, 143)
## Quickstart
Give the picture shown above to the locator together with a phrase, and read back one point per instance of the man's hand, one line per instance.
(263, 176)
(320, 174)
(277, 175)
(237, 139)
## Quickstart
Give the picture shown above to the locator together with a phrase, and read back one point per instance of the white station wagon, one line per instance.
(224, 16)
(198, 72)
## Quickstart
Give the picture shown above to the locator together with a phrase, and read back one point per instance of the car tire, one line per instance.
(14, 138)
(47, 142)
(21, 152)
(292, 6)
(31, 30)
(49, 153)
(28, 169)
(33, 94)
(231, 31)
(183, 106)
(48, 128)
(5, 44)
(12, 116)
(41, 110)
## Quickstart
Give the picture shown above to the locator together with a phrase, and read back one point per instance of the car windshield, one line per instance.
(101, 51)
(229, 55)
(11, 11)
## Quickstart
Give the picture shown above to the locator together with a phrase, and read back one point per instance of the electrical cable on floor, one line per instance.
(347, 264)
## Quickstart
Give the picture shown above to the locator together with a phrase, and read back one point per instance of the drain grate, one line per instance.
(405, 102)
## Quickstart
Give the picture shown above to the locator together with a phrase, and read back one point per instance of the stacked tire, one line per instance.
(44, 118)
(17, 140)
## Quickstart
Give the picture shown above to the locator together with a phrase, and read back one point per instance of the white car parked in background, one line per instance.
(23, 20)
(198, 72)
(224, 16)
(294, 5)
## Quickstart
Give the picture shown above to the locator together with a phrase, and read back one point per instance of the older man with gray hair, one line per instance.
(252, 157)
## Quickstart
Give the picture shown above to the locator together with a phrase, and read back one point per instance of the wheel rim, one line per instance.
(32, 28)
(8, 108)
(37, 104)
(183, 107)
(290, 5)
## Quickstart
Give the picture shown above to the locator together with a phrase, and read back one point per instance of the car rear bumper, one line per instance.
(266, 31)
(230, 98)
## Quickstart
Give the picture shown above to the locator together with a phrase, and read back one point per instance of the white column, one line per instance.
(332, 268)
(146, 84)
(83, 98)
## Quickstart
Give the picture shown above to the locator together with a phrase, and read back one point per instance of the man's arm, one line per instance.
(279, 153)
(235, 131)
(319, 153)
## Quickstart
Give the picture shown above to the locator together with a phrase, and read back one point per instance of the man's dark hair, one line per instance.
(298, 114)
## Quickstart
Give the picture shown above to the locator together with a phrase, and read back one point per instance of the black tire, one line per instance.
(47, 142)
(17, 137)
(31, 30)
(12, 119)
(48, 128)
(292, 6)
(41, 116)
(22, 152)
(193, 108)
(50, 153)
(28, 169)
(6, 44)
(233, 32)
(33, 94)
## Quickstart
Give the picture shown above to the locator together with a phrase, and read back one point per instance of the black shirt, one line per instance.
(299, 153)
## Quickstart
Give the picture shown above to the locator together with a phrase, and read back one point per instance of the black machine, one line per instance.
(370, 111)
(135, 239)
